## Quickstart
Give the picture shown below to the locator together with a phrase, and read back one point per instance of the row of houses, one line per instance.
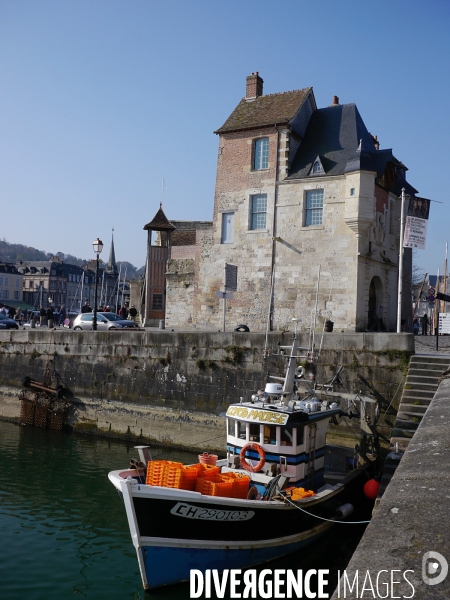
(32, 284)
(307, 206)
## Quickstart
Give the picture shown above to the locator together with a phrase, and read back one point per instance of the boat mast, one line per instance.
(268, 315)
(315, 313)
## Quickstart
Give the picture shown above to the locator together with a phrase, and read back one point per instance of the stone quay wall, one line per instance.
(170, 387)
(409, 528)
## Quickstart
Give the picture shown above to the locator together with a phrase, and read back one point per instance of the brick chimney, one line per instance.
(335, 101)
(254, 86)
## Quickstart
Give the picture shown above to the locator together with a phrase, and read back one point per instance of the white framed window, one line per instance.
(1, 280)
(261, 154)
(6, 280)
(314, 207)
(6, 294)
(17, 282)
(258, 208)
(227, 228)
(16, 295)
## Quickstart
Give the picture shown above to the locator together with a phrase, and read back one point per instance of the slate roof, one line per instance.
(160, 222)
(339, 136)
(335, 133)
(263, 111)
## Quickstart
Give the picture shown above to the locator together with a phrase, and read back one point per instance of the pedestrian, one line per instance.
(3, 310)
(424, 323)
(19, 315)
(380, 317)
(107, 309)
(62, 315)
(49, 316)
(42, 315)
(133, 312)
(11, 312)
(123, 312)
(416, 326)
(87, 307)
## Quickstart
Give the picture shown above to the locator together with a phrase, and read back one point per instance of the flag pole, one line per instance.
(400, 264)
(445, 277)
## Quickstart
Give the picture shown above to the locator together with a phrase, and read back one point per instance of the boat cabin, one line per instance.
(285, 439)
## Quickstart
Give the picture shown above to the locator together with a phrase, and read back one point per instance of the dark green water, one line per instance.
(63, 530)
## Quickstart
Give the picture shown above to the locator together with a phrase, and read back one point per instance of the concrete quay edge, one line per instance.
(412, 516)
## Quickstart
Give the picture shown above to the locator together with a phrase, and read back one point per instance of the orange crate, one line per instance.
(157, 469)
(240, 482)
(215, 486)
(224, 488)
(203, 484)
(208, 470)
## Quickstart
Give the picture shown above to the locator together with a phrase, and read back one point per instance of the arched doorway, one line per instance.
(375, 299)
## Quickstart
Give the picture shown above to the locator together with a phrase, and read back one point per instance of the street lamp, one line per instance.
(98, 247)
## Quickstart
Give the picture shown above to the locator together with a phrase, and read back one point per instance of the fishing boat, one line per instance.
(278, 488)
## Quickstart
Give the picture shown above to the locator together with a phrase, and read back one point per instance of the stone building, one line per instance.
(172, 247)
(299, 190)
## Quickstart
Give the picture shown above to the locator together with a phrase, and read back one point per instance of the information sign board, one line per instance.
(230, 277)
(444, 323)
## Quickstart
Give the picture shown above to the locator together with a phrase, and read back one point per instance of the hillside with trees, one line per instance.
(12, 253)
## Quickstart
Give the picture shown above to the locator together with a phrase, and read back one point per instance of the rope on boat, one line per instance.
(323, 518)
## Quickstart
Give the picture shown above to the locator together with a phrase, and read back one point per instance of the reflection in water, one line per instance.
(63, 530)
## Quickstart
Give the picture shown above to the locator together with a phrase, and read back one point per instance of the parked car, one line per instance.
(105, 322)
(7, 323)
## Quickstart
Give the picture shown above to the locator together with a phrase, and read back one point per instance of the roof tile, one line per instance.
(265, 110)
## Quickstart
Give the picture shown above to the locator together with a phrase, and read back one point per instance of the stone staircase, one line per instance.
(420, 386)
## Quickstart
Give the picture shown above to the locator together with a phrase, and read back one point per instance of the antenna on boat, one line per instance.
(295, 320)
(315, 311)
(266, 352)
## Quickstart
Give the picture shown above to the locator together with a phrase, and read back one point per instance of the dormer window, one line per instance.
(261, 154)
(317, 167)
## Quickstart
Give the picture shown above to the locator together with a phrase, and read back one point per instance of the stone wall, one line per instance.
(172, 386)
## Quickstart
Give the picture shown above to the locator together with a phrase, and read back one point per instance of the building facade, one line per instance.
(54, 283)
(307, 206)
(11, 284)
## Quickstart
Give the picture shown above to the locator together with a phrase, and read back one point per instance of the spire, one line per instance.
(111, 267)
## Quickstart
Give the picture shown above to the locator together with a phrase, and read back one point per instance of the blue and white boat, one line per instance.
(278, 439)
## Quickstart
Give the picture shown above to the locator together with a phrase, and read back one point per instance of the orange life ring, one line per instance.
(247, 465)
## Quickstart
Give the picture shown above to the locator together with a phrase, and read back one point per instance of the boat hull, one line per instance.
(175, 531)
(183, 559)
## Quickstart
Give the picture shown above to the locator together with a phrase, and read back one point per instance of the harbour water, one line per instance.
(63, 530)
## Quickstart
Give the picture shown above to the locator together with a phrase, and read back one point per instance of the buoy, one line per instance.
(371, 488)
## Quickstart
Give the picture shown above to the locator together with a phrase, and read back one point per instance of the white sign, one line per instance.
(444, 322)
(257, 415)
(415, 233)
(190, 511)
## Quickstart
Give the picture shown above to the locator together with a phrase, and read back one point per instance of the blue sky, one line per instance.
(102, 99)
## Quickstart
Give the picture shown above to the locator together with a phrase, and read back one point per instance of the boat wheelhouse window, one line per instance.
(270, 434)
(300, 436)
(231, 427)
(287, 436)
(242, 430)
(254, 432)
